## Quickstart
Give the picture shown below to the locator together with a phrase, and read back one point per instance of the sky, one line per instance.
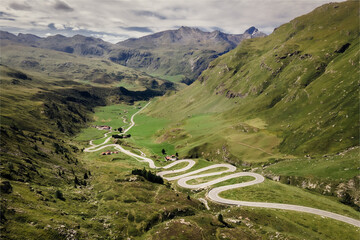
(117, 20)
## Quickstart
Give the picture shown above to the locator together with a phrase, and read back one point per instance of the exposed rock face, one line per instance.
(253, 31)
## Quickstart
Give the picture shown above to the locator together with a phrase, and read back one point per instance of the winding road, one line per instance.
(213, 194)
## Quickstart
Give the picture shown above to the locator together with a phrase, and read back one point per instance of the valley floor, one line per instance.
(329, 204)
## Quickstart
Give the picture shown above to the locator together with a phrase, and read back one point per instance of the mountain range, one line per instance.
(178, 55)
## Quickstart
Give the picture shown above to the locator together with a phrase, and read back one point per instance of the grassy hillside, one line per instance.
(292, 95)
(94, 71)
(300, 82)
(285, 105)
(43, 180)
(193, 221)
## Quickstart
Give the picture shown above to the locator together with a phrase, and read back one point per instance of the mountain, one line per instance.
(94, 71)
(298, 84)
(287, 103)
(177, 55)
(183, 53)
(78, 44)
(186, 37)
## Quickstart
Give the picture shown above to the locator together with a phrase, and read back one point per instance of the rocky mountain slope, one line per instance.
(179, 55)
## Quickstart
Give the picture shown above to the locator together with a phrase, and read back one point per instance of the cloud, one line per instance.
(119, 19)
(214, 28)
(52, 26)
(57, 26)
(138, 29)
(21, 7)
(149, 14)
(7, 19)
(62, 6)
(6, 16)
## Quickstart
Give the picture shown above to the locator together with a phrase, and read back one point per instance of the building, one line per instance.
(104, 127)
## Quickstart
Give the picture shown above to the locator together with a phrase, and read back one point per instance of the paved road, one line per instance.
(132, 118)
(213, 194)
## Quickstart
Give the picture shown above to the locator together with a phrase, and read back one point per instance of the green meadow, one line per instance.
(150, 135)
(271, 191)
(115, 116)
(339, 167)
(144, 130)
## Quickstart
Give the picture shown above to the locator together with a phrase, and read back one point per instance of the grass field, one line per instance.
(144, 130)
(88, 134)
(146, 134)
(332, 167)
(147, 127)
(270, 191)
(115, 116)
(224, 183)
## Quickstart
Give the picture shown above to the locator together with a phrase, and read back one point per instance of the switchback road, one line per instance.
(213, 194)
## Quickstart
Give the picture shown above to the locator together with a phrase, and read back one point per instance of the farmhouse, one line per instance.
(108, 152)
(171, 158)
(104, 127)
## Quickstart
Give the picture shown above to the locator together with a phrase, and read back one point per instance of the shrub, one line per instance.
(59, 195)
(148, 175)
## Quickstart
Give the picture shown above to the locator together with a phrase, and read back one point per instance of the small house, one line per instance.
(104, 127)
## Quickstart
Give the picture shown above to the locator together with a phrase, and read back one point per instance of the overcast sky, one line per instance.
(116, 20)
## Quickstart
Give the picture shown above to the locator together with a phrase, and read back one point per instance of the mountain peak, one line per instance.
(252, 30)
(188, 29)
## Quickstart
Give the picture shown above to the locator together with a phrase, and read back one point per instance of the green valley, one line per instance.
(180, 134)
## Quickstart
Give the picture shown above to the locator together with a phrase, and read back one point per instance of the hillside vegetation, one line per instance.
(94, 71)
(285, 105)
(42, 177)
(176, 55)
(292, 95)
(299, 84)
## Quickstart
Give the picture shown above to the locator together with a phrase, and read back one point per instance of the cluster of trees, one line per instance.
(163, 151)
(148, 175)
(80, 182)
(121, 136)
